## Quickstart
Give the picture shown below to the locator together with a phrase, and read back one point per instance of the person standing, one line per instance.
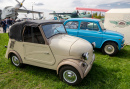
(13, 21)
(3, 24)
(10, 21)
(7, 22)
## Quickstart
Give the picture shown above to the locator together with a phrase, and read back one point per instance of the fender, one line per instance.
(16, 53)
(109, 40)
(72, 62)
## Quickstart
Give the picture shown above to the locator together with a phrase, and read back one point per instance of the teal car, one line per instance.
(93, 31)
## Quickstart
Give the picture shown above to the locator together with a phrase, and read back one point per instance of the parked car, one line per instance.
(46, 44)
(93, 31)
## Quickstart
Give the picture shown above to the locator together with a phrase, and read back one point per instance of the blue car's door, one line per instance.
(72, 28)
(91, 32)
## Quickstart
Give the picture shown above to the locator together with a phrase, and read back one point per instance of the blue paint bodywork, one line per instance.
(99, 37)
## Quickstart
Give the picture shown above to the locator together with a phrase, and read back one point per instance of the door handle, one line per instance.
(46, 53)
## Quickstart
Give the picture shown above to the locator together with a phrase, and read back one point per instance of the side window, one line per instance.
(89, 26)
(72, 25)
(27, 36)
(95, 27)
(33, 35)
(83, 25)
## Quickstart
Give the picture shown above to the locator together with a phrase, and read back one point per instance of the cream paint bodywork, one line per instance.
(61, 49)
(65, 46)
(61, 44)
(38, 53)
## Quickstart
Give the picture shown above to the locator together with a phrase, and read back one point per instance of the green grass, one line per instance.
(107, 73)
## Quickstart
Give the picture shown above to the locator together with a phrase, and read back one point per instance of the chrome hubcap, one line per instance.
(109, 49)
(70, 76)
(15, 61)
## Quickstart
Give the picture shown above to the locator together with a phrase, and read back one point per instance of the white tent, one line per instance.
(119, 20)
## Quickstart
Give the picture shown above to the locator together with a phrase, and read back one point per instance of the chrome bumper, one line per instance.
(122, 46)
(89, 66)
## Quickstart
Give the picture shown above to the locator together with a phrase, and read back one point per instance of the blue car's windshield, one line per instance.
(53, 29)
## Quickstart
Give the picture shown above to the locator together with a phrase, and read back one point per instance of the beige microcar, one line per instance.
(46, 44)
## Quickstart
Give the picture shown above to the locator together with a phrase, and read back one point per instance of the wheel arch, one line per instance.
(109, 41)
(15, 53)
(72, 63)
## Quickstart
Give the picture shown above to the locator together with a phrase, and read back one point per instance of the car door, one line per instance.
(35, 49)
(90, 31)
(72, 28)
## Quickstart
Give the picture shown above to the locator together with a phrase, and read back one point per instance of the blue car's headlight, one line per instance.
(123, 40)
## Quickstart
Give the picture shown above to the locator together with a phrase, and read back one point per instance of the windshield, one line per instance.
(102, 25)
(53, 29)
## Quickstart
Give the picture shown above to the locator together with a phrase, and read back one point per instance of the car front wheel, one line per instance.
(70, 75)
(15, 61)
(110, 48)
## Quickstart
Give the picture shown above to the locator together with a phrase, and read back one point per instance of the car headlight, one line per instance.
(123, 40)
(85, 56)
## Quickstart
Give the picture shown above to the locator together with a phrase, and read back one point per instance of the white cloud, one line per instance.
(58, 5)
(38, 4)
(108, 5)
(118, 3)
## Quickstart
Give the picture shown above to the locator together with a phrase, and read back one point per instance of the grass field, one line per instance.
(107, 73)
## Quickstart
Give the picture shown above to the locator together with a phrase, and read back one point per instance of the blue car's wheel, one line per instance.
(110, 48)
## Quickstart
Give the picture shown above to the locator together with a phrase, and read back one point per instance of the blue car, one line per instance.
(93, 31)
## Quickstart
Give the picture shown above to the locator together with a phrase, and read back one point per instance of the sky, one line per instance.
(48, 6)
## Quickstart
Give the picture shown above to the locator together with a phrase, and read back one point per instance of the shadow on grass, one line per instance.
(98, 77)
(123, 53)
(40, 72)
(98, 51)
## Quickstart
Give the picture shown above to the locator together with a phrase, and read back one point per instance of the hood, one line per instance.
(81, 46)
(61, 44)
(69, 45)
(109, 32)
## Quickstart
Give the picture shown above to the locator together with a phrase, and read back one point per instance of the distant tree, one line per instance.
(102, 16)
(95, 15)
(88, 12)
(99, 16)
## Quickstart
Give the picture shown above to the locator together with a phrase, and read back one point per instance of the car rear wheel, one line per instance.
(15, 61)
(110, 48)
(70, 75)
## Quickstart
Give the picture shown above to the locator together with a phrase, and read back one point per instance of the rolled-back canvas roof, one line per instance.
(17, 29)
